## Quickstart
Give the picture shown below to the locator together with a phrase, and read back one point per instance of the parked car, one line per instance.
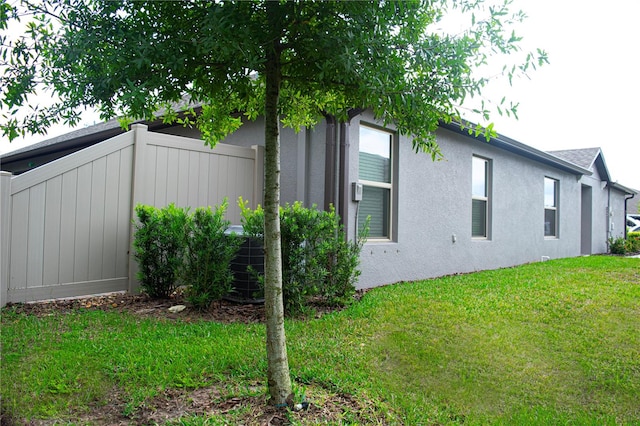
(633, 222)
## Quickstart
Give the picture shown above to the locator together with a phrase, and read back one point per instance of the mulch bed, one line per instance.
(224, 311)
(143, 306)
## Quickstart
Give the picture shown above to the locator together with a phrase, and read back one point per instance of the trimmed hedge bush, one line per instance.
(174, 247)
(318, 261)
(158, 248)
(207, 256)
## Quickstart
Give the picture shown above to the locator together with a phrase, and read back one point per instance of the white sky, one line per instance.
(586, 97)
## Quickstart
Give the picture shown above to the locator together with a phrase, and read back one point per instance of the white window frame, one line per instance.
(486, 198)
(384, 185)
(553, 208)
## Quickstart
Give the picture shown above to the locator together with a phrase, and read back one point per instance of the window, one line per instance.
(550, 207)
(375, 164)
(480, 197)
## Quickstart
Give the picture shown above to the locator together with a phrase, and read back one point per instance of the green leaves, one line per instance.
(208, 254)
(158, 248)
(132, 59)
(174, 247)
(317, 259)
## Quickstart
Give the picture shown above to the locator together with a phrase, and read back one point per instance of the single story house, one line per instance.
(67, 203)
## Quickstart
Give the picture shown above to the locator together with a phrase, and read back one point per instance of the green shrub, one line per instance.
(621, 246)
(207, 257)
(617, 245)
(342, 265)
(633, 242)
(317, 260)
(158, 248)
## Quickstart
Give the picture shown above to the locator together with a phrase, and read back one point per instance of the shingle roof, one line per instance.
(112, 126)
(582, 157)
(587, 158)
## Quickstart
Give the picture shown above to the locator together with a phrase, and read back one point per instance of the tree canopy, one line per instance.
(289, 61)
(134, 58)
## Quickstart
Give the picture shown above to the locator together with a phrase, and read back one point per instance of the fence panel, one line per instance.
(67, 225)
(187, 173)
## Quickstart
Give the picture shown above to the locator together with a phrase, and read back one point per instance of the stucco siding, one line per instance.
(301, 159)
(618, 218)
(434, 209)
(607, 212)
(433, 204)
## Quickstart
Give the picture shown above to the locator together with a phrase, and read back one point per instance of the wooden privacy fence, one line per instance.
(66, 227)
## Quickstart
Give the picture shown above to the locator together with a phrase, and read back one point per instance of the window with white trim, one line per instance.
(550, 207)
(376, 175)
(480, 201)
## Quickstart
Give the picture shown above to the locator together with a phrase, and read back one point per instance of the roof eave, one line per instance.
(74, 138)
(521, 149)
(622, 188)
(603, 170)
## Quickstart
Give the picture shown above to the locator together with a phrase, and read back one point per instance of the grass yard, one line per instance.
(548, 343)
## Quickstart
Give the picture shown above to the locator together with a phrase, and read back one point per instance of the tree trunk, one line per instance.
(278, 377)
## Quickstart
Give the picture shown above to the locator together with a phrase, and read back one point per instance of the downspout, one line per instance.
(626, 198)
(330, 162)
(342, 178)
(343, 172)
(609, 235)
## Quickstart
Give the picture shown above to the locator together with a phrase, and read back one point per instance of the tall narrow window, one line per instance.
(480, 197)
(375, 163)
(550, 207)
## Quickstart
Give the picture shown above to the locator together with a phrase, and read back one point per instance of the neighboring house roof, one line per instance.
(35, 155)
(95, 131)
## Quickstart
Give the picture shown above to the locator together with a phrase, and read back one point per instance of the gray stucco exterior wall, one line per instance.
(434, 209)
(432, 204)
(606, 218)
(617, 215)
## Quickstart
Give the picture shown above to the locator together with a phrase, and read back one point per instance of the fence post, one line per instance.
(258, 175)
(137, 194)
(5, 235)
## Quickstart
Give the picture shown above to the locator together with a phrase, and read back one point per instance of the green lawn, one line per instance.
(548, 343)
